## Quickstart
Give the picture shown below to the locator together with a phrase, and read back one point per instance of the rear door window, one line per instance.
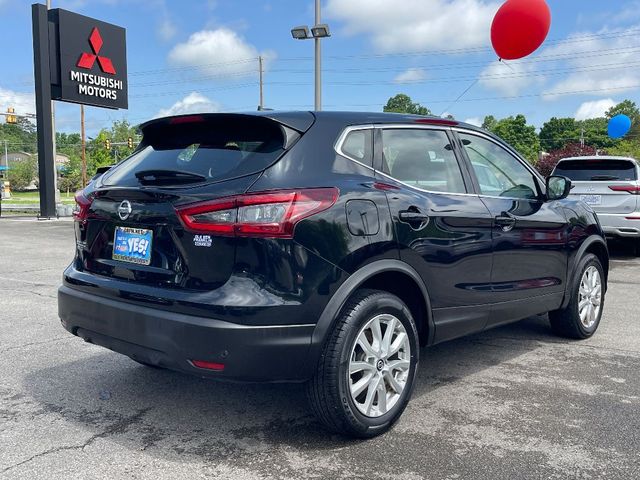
(594, 170)
(422, 158)
(213, 149)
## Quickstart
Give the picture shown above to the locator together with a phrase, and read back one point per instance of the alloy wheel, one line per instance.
(590, 297)
(379, 365)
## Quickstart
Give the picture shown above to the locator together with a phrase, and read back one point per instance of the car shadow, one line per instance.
(172, 414)
(624, 249)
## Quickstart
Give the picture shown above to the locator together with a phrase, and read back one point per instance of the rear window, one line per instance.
(597, 170)
(211, 148)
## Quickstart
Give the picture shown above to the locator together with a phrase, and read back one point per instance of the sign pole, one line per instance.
(53, 139)
(44, 115)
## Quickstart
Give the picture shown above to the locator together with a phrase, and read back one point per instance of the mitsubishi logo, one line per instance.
(88, 59)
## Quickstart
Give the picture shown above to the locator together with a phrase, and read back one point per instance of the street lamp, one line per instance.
(318, 31)
(300, 33)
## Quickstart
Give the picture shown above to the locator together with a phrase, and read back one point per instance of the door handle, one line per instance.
(414, 217)
(505, 221)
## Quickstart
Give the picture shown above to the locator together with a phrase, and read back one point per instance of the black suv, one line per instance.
(324, 247)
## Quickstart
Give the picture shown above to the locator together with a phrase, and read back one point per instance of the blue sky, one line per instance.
(193, 55)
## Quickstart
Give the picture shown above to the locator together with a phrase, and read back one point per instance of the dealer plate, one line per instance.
(132, 245)
(591, 199)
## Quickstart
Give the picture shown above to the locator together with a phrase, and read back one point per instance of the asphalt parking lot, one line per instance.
(515, 402)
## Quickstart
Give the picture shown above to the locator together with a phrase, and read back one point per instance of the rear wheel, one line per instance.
(366, 372)
(581, 317)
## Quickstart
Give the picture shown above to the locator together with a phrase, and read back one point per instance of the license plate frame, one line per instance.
(132, 245)
(591, 199)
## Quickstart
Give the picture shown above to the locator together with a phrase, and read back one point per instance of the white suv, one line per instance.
(611, 185)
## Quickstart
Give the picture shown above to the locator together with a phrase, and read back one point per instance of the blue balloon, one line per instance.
(619, 126)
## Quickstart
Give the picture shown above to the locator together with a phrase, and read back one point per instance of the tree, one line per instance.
(549, 161)
(626, 148)
(20, 137)
(522, 137)
(626, 107)
(23, 172)
(402, 103)
(489, 123)
(595, 133)
(557, 132)
(99, 156)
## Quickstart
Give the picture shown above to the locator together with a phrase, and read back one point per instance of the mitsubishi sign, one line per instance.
(75, 59)
(92, 61)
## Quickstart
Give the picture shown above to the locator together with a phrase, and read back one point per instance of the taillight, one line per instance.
(218, 367)
(81, 209)
(632, 189)
(266, 214)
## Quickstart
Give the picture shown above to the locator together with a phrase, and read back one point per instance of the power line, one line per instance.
(455, 51)
(203, 78)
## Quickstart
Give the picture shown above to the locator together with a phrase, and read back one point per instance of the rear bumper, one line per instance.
(619, 225)
(275, 353)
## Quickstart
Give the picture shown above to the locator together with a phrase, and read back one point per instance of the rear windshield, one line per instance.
(597, 170)
(211, 149)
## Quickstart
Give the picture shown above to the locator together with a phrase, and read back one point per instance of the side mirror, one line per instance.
(558, 187)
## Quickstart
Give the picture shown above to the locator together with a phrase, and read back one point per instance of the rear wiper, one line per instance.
(605, 177)
(168, 177)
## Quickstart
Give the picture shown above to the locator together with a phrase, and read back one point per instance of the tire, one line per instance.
(567, 322)
(330, 391)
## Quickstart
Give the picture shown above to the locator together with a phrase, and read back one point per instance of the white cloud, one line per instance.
(23, 103)
(193, 103)
(594, 109)
(477, 121)
(508, 79)
(599, 75)
(629, 13)
(416, 25)
(411, 75)
(218, 52)
(166, 29)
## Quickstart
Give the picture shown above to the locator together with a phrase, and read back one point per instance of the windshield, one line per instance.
(201, 151)
(593, 169)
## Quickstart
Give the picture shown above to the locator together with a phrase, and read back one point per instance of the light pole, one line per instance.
(318, 31)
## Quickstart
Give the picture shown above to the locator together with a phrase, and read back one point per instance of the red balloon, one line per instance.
(520, 27)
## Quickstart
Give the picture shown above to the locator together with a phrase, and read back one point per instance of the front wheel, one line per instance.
(366, 372)
(581, 317)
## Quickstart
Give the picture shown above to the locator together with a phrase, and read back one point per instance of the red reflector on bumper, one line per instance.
(218, 367)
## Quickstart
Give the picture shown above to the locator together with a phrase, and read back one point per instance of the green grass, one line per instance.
(25, 198)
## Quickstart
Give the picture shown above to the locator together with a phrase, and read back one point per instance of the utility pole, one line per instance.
(581, 137)
(260, 67)
(318, 95)
(83, 153)
(6, 156)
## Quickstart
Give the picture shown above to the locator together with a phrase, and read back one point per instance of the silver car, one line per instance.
(611, 185)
